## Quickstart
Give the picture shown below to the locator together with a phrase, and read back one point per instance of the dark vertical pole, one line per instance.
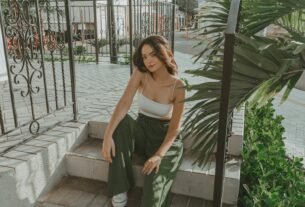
(149, 18)
(102, 30)
(42, 56)
(61, 42)
(1, 123)
(52, 51)
(97, 48)
(109, 28)
(113, 41)
(8, 71)
(224, 103)
(130, 34)
(152, 19)
(173, 25)
(135, 19)
(145, 18)
(162, 26)
(71, 58)
(141, 23)
(157, 16)
(4, 45)
(223, 117)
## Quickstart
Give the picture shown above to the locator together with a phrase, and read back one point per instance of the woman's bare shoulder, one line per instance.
(179, 83)
(179, 91)
(140, 76)
(136, 71)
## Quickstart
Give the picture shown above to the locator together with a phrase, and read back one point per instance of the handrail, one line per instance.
(232, 25)
(71, 59)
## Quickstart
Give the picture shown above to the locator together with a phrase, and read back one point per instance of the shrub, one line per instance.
(124, 59)
(268, 177)
(79, 50)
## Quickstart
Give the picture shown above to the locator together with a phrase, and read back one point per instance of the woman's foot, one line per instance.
(119, 200)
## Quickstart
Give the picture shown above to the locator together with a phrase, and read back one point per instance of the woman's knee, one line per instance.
(124, 127)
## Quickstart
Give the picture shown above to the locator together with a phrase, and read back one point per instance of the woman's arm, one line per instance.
(120, 111)
(173, 130)
(175, 123)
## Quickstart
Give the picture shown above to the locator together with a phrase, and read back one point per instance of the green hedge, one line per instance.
(268, 177)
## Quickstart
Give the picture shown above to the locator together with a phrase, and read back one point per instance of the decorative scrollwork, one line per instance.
(34, 127)
(12, 13)
(22, 33)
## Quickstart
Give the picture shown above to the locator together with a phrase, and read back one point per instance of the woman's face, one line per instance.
(150, 59)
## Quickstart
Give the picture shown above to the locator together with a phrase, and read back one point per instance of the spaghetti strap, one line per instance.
(173, 89)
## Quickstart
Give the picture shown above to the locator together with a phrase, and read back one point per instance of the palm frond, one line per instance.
(293, 23)
(262, 66)
(213, 15)
(257, 75)
(261, 14)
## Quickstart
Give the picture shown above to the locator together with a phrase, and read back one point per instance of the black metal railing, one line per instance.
(232, 27)
(36, 87)
(152, 17)
(101, 29)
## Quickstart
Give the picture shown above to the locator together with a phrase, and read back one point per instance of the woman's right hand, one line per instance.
(108, 149)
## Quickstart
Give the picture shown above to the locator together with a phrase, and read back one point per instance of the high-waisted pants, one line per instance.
(144, 136)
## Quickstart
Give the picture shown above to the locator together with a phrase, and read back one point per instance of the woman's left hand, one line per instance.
(151, 164)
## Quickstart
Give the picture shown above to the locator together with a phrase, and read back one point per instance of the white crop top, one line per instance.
(155, 109)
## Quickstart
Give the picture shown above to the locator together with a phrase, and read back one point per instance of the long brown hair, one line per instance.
(156, 42)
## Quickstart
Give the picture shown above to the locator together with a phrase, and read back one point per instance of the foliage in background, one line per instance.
(124, 59)
(188, 6)
(79, 50)
(103, 42)
(262, 66)
(268, 177)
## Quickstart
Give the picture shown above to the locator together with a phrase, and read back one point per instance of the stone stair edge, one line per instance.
(98, 170)
(45, 154)
(195, 169)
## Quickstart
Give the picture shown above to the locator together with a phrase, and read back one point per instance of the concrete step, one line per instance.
(86, 162)
(80, 192)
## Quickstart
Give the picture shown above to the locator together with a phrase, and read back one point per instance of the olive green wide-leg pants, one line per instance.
(144, 136)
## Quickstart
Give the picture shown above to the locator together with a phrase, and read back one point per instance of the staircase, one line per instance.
(87, 172)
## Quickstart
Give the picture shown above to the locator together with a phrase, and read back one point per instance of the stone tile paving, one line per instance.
(293, 110)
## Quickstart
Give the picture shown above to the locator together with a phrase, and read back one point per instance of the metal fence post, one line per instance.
(173, 25)
(130, 35)
(225, 94)
(8, 71)
(97, 48)
(39, 23)
(71, 58)
(157, 16)
(112, 32)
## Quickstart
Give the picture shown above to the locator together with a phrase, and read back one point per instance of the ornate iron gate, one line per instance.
(153, 17)
(102, 29)
(38, 78)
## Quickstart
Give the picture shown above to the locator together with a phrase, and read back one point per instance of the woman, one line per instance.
(154, 135)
